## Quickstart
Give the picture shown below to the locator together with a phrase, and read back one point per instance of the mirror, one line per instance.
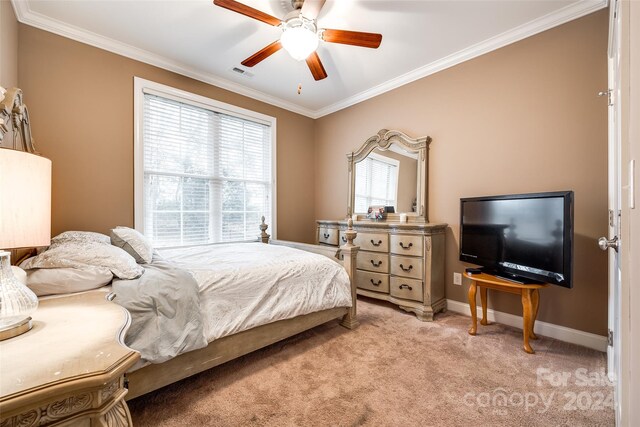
(389, 170)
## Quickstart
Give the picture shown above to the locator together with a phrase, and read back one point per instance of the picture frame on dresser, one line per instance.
(399, 261)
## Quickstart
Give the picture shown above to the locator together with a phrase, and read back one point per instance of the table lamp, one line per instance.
(25, 221)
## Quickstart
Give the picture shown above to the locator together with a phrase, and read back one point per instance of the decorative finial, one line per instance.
(264, 237)
(350, 234)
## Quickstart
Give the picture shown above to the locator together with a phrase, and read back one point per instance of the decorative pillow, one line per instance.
(86, 255)
(80, 236)
(134, 243)
(54, 281)
(19, 274)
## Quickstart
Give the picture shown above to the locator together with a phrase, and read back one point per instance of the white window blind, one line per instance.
(207, 175)
(376, 183)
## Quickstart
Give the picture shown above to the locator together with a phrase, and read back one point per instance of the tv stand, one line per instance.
(513, 278)
(530, 297)
(510, 279)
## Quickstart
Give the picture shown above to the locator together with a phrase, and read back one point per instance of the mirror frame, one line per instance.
(383, 140)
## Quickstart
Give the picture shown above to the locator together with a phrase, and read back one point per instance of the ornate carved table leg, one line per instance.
(118, 416)
(472, 307)
(527, 314)
(535, 300)
(483, 299)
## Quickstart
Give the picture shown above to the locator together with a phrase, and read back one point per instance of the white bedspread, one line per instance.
(244, 285)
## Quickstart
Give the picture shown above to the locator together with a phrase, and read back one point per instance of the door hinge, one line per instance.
(612, 217)
(610, 338)
(609, 94)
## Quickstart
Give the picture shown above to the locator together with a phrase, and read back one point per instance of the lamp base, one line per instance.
(17, 329)
(17, 302)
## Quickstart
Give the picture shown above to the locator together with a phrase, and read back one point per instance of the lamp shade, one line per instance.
(25, 199)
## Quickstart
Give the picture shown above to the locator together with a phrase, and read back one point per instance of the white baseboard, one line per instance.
(562, 333)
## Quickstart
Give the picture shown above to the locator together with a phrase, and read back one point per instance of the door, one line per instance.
(611, 243)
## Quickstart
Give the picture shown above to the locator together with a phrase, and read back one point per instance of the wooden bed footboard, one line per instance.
(345, 255)
(155, 376)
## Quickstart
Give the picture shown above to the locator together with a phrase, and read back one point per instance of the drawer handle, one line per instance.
(376, 244)
(344, 239)
(376, 265)
(406, 286)
(326, 235)
(376, 284)
(406, 247)
(408, 269)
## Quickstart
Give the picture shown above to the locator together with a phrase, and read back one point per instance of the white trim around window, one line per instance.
(142, 87)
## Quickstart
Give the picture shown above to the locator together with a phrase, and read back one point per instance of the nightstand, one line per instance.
(69, 369)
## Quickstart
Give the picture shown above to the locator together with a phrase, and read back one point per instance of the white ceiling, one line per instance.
(200, 40)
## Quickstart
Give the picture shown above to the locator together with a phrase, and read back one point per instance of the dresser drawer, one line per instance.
(406, 288)
(406, 266)
(372, 281)
(404, 244)
(375, 242)
(373, 261)
(328, 236)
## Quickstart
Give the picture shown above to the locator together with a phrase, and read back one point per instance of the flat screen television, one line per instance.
(521, 237)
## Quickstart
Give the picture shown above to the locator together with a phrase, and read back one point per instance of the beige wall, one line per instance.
(8, 46)
(524, 118)
(81, 104)
(8, 54)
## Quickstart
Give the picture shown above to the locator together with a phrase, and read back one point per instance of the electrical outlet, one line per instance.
(457, 279)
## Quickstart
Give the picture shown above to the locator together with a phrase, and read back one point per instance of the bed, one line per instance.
(250, 295)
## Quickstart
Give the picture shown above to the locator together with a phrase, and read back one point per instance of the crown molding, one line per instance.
(559, 17)
(573, 11)
(26, 16)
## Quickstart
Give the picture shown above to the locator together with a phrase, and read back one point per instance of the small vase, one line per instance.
(17, 301)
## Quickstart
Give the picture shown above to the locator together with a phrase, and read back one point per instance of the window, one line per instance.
(203, 171)
(376, 182)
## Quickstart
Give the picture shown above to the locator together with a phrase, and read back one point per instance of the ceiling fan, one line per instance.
(300, 34)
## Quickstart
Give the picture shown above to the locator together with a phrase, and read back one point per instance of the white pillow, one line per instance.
(19, 274)
(134, 243)
(53, 281)
(87, 256)
(80, 236)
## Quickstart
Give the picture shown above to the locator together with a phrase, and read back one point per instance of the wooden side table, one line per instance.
(69, 369)
(529, 295)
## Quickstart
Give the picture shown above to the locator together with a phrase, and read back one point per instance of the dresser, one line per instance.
(69, 368)
(402, 263)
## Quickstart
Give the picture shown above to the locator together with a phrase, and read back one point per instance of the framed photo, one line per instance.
(376, 212)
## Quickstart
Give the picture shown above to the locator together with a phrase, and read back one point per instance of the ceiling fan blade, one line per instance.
(248, 11)
(311, 8)
(316, 67)
(262, 54)
(355, 38)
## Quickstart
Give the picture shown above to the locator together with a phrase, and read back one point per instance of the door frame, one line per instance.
(627, 386)
(614, 190)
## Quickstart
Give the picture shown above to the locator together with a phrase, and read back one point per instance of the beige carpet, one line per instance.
(393, 371)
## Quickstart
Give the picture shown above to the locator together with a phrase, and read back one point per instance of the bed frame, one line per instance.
(155, 376)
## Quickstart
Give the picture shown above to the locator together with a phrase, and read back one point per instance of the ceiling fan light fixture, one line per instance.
(299, 37)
